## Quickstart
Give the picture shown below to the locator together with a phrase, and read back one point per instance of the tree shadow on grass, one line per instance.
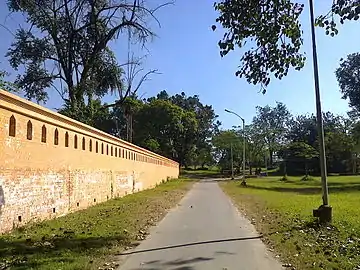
(309, 190)
(202, 175)
(27, 253)
(317, 183)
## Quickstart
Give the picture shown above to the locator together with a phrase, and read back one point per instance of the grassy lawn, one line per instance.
(196, 174)
(282, 211)
(87, 239)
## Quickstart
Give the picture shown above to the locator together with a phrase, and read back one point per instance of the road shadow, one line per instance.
(309, 190)
(181, 264)
(184, 268)
(34, 254)
(161, 268)
(191, 244)
(178, 264)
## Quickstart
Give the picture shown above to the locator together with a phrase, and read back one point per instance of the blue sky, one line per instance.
(186, 54)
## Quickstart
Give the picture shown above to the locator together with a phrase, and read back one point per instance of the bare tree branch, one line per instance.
(145, 78)
(7, 29)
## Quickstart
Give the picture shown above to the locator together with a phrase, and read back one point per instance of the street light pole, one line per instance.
(244, 143)
(324, 212)
(232, 162)
(243, 120)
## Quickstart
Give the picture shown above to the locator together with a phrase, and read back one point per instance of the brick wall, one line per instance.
(51, 165)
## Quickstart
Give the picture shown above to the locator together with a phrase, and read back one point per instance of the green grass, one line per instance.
(282, 211)
(87, 239)
(197, 174)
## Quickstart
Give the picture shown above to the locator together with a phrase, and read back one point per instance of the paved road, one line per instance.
(204, 232)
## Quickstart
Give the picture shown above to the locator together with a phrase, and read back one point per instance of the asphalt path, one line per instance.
(204, 232)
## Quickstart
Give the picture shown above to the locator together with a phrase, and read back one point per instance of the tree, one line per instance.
(340, 149)
(225, 142)
(355, 135)
(66, 46)
(204, 157)
(255, 146)
(338, 139)
(208, 125)
(134, 77)
(272, 125)
(298, 153)
(166, 127)
(348, 76)
(271, 34)
(5, 84)
(94, 115)
(303, 128)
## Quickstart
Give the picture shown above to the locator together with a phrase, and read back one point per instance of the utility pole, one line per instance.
(243, 121)
(324, 212)
(232, 162)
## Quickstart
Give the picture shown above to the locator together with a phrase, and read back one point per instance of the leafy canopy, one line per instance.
(348, 76)
(66, 46)
(270, 33)
(271, 123)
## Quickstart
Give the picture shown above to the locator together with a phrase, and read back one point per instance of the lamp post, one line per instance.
(243, 121)
(232, 162)
(324, 212)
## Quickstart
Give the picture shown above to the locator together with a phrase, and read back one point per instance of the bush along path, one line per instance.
(282, 213)
(88, 239)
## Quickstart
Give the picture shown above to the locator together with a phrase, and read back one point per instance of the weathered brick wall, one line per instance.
(51, 165)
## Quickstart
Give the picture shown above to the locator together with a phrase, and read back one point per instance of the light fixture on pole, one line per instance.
(324, 212)
(243, 121)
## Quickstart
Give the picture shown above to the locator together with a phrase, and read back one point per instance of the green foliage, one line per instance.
(348, 77)
(66, 46)
(274, 133)
(223, 142)
(182, 126)
(204, 157)
(152, 145)
(298, 154)
(271, 123)
(340, 142)
(94, 114)
(343, 10)
(5, 84)
(303, 128)
(263, 137)
(178, 127)
(169, 125)
(270, 33)
(300, 151)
